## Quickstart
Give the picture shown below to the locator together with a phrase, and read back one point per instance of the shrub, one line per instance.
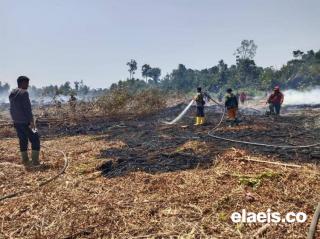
(121, 101)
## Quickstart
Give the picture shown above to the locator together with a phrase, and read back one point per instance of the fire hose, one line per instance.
(180, 115)
(211, 134)
(62, 170)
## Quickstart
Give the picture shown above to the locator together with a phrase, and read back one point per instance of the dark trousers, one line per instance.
(25, 134)
(275, 108)
(200, 111)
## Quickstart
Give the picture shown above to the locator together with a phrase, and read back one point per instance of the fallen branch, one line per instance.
(261, 230)
(269, 162)
(314, 223)
(11, 164)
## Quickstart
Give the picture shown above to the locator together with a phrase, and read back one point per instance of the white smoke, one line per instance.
(295, 97)
(4, 98)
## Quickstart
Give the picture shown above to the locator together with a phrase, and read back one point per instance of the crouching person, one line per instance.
(231, 103)
(21, 113)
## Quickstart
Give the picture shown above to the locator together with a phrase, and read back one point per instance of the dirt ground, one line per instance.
(139, 178)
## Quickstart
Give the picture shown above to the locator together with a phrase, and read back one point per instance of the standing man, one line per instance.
(275, 101)
(231, 103)
(72, 103)
(199, 98)
(21, 114)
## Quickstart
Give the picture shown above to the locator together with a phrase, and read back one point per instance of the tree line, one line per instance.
(301, 72)
(77, 88)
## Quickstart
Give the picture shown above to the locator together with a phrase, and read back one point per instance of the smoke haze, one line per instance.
(291, 97)
(4, 98)
(294, 97)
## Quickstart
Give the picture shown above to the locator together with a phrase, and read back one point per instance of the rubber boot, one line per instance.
(201, 120)
(231, 123)
(25, 158)
(237, 121)
(35, 158)
(197, 121)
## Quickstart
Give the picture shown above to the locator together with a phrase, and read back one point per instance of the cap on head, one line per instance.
(277, 88)
(229, 90)
(22, 79)
(198, 89)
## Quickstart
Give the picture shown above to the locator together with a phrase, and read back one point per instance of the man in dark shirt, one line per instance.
(21, 114)
(231, 103)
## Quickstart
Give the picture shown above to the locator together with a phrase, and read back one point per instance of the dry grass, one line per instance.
(121, 101)
(191, 203)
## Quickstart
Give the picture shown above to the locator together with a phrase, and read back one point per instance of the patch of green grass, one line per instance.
(223, 217)
(255, 181)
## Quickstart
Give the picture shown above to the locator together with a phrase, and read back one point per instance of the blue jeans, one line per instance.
(200, 111)
(275, 108)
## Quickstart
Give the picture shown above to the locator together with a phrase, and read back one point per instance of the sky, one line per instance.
(54, 41)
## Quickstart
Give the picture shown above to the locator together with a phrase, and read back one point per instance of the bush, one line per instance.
(114, 101)
(148, 101)
(121, 101)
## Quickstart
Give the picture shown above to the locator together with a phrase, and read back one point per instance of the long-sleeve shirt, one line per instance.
(231, 101)
(276, 98)
(20, 106)
(199, 99)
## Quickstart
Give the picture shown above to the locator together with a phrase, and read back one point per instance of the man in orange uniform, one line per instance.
(275, 101)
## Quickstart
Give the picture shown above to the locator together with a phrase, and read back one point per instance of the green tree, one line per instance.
(145, 71)
(317, 56)
(248, 73)
(178, 77)
(76, 86)
(247, 50)
(154, 73)
(132, 67)
(267, 78)
(297, 54)
(222, 74)
(65, 89)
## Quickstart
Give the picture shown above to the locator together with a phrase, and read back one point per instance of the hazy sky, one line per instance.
(53, 41)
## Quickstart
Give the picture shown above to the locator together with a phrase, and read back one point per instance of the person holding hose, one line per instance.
(21, 114)
(275, 101)
(231, 103)
(199, 98)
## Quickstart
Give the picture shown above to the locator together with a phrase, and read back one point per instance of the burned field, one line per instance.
(135, 177)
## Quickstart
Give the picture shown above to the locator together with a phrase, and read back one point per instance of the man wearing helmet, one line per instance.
(275, 101)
